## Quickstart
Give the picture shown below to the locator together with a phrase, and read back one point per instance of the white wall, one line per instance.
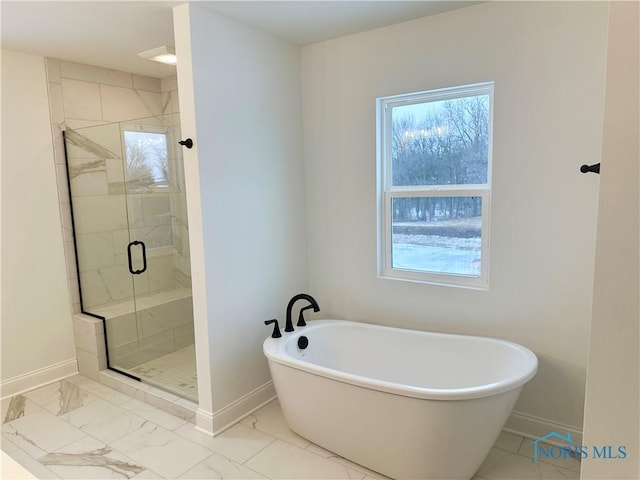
(240, 103)
(37, 337)
(613, 374)
(548, 63)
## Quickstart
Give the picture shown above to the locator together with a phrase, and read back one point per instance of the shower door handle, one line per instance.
(144, 257)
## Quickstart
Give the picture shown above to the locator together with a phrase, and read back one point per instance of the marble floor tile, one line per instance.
(218, 466)
(115, 436)
(8, 446)
(269, 419)
(40, 433)
(162, 451)
(99, 390)
(567, 462)
(318, 450)
(88, 458)
(157, 416)
(285, 461)
(238, 443)
(105, 421)
(60, 397)
(17, 406)
(509, 442)
(148, 475)
(503, 465)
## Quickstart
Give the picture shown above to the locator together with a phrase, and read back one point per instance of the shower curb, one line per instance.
(166, 401)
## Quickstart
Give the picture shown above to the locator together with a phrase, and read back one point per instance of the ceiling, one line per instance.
(110, 34)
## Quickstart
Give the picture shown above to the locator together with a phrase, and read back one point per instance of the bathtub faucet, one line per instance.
(301, 296)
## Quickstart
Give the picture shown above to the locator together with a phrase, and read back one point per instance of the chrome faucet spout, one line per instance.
(301, 296)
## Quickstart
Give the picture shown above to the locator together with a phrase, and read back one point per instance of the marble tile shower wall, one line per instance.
(83, 96)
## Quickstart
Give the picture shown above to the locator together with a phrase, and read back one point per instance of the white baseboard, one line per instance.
(37, 378)
(217, 422)
(204, 422)
(533, 427)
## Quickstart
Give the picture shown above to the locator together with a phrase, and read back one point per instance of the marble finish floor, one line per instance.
(80, 429)
(175, 372)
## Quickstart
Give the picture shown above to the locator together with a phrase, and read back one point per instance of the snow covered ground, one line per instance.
(461, 259)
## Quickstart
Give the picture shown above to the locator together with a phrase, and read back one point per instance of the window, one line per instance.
(434, 175)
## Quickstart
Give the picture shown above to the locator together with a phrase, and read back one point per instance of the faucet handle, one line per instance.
(276, 328)
(301, 322)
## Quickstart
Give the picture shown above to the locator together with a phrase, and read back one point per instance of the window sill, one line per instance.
(441, 280)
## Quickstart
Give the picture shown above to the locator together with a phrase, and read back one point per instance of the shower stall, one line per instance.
(131, 234)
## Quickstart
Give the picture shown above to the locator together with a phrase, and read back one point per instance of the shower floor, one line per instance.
(175, 372)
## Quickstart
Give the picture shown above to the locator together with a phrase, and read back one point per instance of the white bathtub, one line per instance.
(404, 403)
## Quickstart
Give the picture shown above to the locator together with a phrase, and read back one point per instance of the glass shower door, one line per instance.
(158, 235)
(131, 231)
(101, 231)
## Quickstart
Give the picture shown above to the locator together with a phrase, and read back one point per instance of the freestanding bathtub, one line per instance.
(405, 403)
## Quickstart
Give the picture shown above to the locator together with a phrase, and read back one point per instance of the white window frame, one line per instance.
(387, 192)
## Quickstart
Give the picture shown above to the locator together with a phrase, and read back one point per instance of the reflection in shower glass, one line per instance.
(147, 157)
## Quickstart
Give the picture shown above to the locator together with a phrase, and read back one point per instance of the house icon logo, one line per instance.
(569, 446)
(554, 445)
